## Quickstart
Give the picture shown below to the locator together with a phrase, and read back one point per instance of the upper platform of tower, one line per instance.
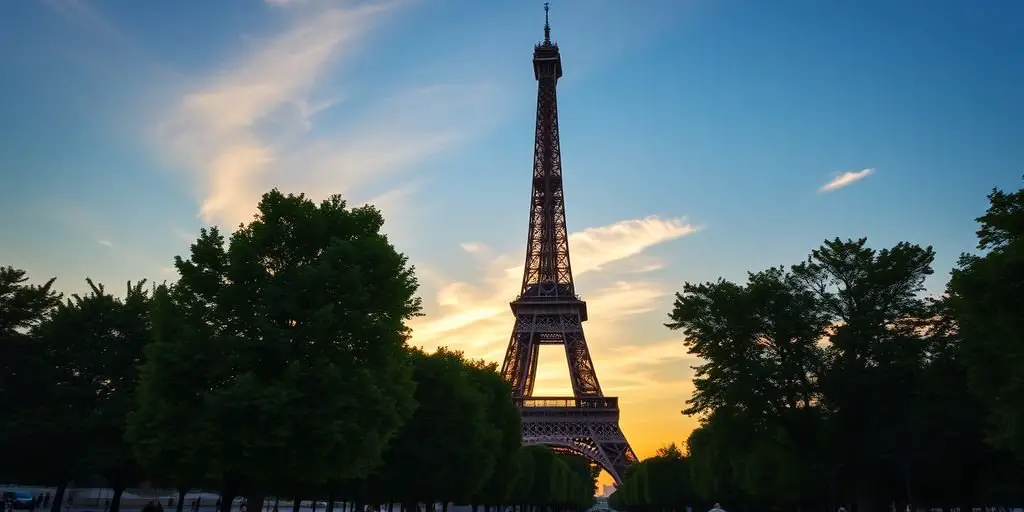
(547, 62)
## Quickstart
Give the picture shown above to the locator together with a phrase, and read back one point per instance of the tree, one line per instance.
(875, 348)
(575, 481)
(713, 451)
(631, 495)
(290, 348)
(447, 450)
(760, 344)
(668, 479)
(31, 385)
(502, 414)
(97, 342)
(555, 481)
(986, 295)
(166, 428)
(526, 477)
(812, 409)
(23, 306)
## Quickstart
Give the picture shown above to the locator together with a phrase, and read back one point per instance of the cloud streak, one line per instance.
(255, 124)
(845, 179)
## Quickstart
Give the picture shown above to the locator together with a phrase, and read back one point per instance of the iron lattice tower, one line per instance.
(548, 311)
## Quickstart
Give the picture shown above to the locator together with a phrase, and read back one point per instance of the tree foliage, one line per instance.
(450, 424)
(986, 296)
(30, 383)
(81, 356)
(836, 381)
(98, 340)
(297, 329)
(658, 483)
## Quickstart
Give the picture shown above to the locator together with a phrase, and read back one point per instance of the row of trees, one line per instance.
(836, 382)
(277, 364)
(659, 483)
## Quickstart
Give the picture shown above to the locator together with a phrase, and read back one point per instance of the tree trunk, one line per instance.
(115, 501)
(181, 500)
(330, 501)
(254, 502)
(296, 504)
(58, 497)
(226, 497)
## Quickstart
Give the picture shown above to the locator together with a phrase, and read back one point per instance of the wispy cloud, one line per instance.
(254, 126)
(105, 243)
(476, 318)
(473, 247)
(81, 12)
(845, 179)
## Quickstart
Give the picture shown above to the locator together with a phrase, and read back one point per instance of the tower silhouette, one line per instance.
(548, 311)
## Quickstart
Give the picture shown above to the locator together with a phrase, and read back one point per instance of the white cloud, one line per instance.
(473, 247)
(845, 179)
(254, 125)
(594, 247)
(105, 243)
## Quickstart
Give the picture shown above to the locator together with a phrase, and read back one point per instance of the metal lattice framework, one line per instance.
(548, 311)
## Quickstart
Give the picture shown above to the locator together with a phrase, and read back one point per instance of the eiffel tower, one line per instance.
(548, 311)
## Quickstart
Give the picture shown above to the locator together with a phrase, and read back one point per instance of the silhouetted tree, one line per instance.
(288, 343)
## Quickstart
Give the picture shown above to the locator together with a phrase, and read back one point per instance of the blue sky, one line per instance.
(696, 139)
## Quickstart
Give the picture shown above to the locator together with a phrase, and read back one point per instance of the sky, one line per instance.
(700, 139)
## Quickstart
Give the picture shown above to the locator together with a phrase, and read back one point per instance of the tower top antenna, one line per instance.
(547, 26)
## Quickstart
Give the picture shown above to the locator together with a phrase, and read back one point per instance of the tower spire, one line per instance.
(547, 26)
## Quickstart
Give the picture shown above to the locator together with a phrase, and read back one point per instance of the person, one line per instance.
(717, 508)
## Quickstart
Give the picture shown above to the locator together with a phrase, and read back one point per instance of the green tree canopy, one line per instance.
(31, 384)
(986, 295)
(288, 342)
(450, 424)
(810, 375)
(501, 414)
(97, 342)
